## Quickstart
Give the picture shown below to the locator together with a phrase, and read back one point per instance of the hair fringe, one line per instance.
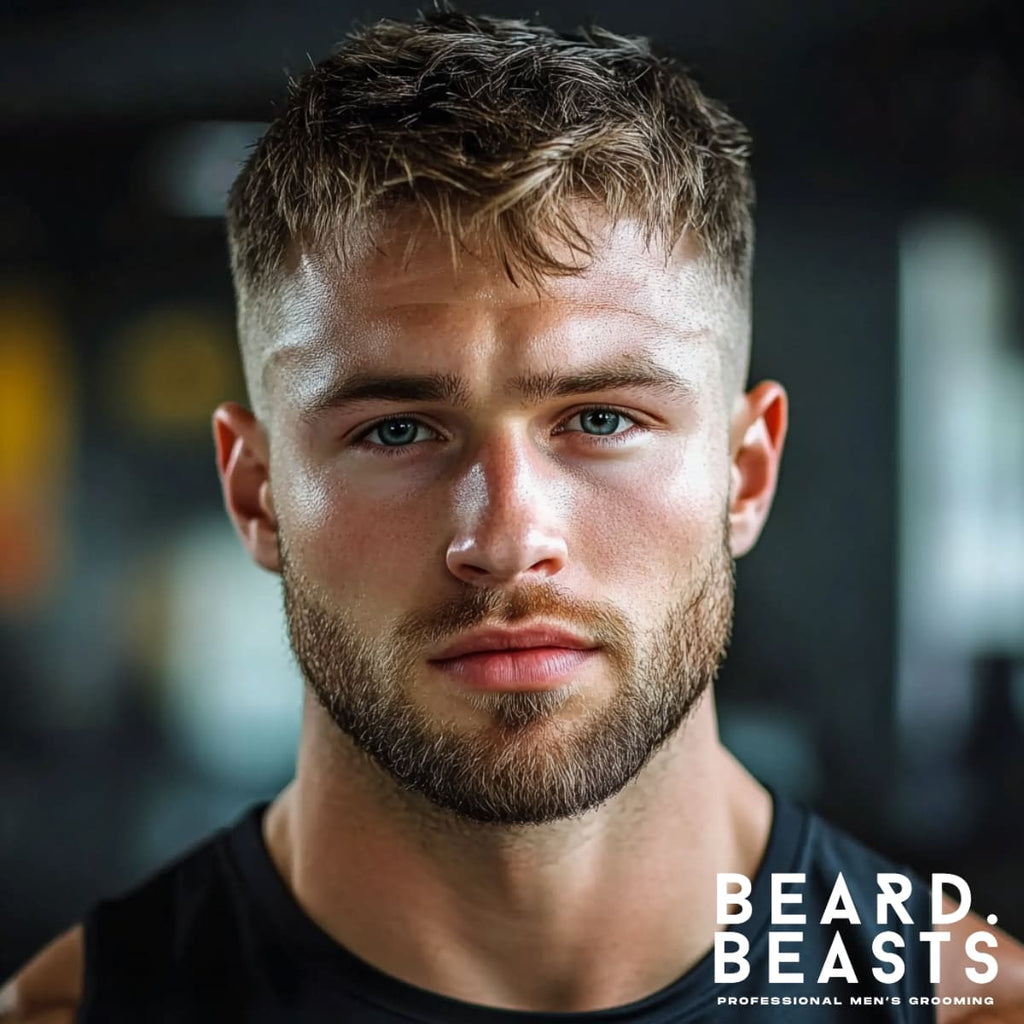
(495, 128)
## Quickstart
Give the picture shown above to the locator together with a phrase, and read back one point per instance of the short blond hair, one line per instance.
(495, 128)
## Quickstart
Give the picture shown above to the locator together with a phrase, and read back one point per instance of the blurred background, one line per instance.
(877, 670)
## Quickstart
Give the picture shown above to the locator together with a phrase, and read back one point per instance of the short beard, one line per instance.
(528, 764)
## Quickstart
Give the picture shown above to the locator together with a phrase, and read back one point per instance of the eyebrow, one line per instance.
(634, 371)
(627, 372)
(385, 387)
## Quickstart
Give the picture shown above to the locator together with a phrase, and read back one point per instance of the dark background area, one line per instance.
(120, 124)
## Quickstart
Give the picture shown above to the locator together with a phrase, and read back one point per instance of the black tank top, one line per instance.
(217, 938)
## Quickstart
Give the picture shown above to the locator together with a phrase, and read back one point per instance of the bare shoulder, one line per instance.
(48, 989)
(962, 956)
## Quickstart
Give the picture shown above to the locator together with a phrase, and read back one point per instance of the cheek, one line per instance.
(347, 538)
(644, 524)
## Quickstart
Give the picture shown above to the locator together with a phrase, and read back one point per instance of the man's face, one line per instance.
(450, 452)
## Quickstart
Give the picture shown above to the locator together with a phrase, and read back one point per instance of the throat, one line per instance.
(581, 914)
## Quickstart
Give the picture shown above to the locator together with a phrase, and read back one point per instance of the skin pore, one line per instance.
(503, 501)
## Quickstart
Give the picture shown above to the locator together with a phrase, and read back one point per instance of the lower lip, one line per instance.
(524, 669)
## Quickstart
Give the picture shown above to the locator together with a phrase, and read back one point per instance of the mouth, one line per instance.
(528, 657)
(519, 669)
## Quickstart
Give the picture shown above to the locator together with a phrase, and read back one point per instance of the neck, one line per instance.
(580, 914)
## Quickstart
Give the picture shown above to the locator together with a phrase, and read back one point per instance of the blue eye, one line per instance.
(401, 433)
(601, 422)
(396, 433)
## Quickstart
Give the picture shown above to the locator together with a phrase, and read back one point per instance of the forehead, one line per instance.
(402, 302)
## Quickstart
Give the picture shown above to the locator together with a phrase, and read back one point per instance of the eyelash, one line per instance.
(400, 450)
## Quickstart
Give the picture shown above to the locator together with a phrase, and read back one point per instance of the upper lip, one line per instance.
(508, 639)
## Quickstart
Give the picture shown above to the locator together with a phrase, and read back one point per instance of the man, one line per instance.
(493, 296)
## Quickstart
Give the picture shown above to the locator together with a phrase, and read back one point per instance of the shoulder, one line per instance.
(180, 919)
(831, 848)
(970, 938)
(48, 989)
(831, 857)
(980, 974)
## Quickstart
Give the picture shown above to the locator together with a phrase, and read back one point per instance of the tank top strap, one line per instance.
(168, 949)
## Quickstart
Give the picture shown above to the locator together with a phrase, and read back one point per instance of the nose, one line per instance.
(508, 510)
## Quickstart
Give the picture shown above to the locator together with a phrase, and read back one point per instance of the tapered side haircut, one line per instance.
(495, 129)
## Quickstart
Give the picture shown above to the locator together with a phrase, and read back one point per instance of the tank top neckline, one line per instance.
(329, 965)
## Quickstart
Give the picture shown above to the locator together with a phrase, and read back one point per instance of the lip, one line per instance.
(520, 669)
(489, 640)
(529, 658)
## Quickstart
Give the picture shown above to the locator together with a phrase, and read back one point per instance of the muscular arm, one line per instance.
(48, 989)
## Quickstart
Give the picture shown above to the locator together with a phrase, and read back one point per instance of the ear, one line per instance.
(756, 435)
(243, 464)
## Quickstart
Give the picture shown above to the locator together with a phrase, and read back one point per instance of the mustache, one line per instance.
(600, 623)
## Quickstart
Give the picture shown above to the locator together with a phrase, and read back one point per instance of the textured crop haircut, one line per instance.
(495, 129)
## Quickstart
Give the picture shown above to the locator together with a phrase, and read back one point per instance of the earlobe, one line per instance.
(757, 435)
(243, 465)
